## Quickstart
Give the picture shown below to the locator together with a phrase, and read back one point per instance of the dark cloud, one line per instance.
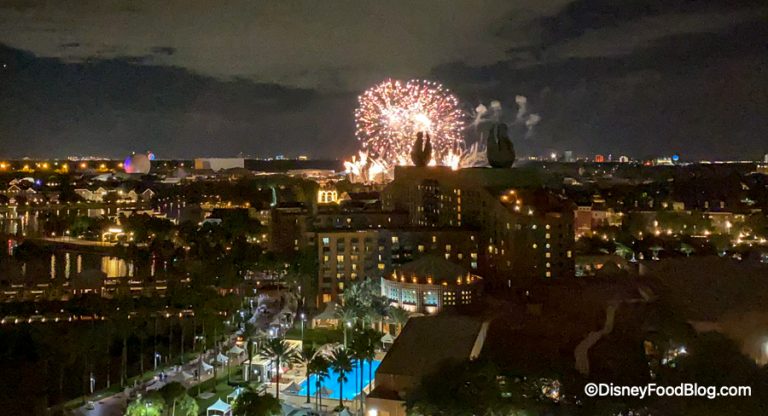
(583, 16)
(163, 50)
(184, 79)
(700, 94)
(114, 106)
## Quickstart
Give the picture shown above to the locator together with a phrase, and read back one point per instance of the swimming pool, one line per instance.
(351, 387)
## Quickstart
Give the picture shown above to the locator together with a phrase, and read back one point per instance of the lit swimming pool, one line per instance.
(351, 387)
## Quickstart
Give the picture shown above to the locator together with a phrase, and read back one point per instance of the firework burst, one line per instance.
(391, 113)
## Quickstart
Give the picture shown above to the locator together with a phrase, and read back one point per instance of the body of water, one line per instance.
(351, 387)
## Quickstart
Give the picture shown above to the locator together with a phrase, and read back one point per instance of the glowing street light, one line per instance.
(303, 317)
(347, 325)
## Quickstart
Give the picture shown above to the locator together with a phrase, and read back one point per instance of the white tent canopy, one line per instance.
(235, 350)
(327, 317)
(221, 358)
(206, 367)
(219, 409)
(231, 397)
(387, 339)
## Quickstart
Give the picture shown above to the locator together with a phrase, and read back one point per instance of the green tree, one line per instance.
(341, 362)
(150, 405)
(172, 392)
(472, 388)
(279, 351)
(250, 403)
(185, 405)
(319, 367)
(398, 316)
(308, 353)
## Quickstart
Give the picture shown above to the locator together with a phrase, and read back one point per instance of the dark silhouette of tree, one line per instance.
(250, 403)
(341, 362)
(279, 351)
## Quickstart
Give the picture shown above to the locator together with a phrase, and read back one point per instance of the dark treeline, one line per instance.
(45, 364)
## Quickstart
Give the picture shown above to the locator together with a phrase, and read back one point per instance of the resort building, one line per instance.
(525, 231)
(345, 256)
(430, 284)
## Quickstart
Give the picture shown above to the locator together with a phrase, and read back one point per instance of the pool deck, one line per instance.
(298, 375)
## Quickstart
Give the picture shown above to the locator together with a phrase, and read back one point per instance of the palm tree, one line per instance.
(306, 356)
(372, 344)
(319, 367)
(347, 318)
(686, 249)
(356, 351)
(341, 362)
(623, 250)
(399, 317)
(655, 250)
(279, 351)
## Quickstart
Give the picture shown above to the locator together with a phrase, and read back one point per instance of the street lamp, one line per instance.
(303, 317)
(348, 325)
(157, 357)
(92, 382)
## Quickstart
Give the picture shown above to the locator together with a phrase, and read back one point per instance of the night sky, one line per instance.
(192, 78)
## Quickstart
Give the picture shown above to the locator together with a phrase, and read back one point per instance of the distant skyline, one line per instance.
(187, 79)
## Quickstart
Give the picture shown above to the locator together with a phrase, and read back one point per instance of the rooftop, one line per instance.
(435, 267)
(428, 341)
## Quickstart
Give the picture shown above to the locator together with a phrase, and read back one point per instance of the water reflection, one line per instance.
(66, 265)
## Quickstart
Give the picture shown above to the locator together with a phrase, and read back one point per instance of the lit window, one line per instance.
(548, 255)
(548, 274)
(421, 248)
(547, 226)
(569, 254)
(381, 266)
(340, 258)
(535, 245)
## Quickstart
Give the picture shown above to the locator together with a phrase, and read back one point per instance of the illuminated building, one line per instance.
(345, 256)
(524, 232)
(430, 284)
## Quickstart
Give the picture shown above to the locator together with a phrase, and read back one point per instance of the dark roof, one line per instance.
(428, 341)
(433, 266)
